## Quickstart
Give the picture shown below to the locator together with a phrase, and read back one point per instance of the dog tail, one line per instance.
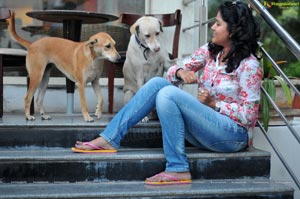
(12, 31)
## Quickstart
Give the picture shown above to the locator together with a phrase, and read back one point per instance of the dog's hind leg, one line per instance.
(34, 80)
(41, 93)
(97, 90)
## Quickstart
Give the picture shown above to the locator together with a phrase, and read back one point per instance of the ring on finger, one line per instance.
(201, 91)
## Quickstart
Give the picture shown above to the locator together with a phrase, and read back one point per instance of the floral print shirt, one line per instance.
(238, 91)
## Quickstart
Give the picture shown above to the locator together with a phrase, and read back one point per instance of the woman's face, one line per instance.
(220, 34)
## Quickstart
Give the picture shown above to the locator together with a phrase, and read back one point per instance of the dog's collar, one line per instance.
(142, 45)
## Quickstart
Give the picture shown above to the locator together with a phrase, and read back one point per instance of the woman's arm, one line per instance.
(193, 63)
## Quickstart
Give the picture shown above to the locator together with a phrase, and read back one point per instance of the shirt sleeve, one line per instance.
(192, 63)
(246, 110)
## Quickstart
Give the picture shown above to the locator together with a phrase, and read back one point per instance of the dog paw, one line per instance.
(46, 117)
(98, 114)
(145, 119)
(88, 119)
(30, 118)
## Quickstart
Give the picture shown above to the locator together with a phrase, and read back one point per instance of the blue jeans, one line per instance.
(182, 117)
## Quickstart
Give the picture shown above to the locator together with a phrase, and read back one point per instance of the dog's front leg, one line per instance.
(140, 79)
(160, 71)
(97, 90)
(84, 110)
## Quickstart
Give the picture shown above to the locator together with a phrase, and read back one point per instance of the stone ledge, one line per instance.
(292, 115)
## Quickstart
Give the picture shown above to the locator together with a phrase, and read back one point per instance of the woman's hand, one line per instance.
(188, 77)
(204, 97)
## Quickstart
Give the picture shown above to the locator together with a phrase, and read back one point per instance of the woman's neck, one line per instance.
(225, 51)
(223, 54)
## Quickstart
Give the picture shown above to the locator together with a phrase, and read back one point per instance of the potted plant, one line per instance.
(293, 72)
(296, 99)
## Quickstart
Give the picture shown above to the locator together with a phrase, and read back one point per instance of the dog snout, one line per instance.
(154, 46)
(157, 49)
(119, 57)
(115, 58)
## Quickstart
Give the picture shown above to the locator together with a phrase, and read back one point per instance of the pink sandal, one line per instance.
(94, 149)
(169, 180)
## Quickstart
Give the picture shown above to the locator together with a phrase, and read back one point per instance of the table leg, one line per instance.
(1, 85)
(71, 31)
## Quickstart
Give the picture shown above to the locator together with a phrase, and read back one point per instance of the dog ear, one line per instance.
(92, 43)
(137, 30)
(161, 25)
(133, 28)
(89, 49)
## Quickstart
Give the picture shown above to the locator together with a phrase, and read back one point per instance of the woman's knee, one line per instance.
(166, 93)
(158, 80)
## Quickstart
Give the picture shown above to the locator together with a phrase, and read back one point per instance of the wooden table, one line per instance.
(72, 21)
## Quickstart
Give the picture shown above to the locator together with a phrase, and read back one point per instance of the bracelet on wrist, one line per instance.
(176, 73)
(218, 106)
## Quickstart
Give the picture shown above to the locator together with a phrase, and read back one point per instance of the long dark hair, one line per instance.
(244, 31)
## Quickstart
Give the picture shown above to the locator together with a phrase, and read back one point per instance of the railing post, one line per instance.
(202, 19)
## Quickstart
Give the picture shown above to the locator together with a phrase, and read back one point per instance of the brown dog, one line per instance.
(79, 61)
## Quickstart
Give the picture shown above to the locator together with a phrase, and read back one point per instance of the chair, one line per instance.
(4, 13)
(170, 19)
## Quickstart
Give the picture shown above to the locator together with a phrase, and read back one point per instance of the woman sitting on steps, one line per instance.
(225, 108)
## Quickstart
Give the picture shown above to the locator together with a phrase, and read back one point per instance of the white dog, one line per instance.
(146, 56)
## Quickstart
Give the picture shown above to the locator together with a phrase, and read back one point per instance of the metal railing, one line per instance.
(294, 47)
(279, 30)
(203, 20)
(186, 2)
(198, 25)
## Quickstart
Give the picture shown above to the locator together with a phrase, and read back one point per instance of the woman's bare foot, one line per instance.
(99, 142)
(170, 176)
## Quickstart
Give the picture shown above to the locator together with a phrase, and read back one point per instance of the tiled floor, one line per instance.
(58, 119)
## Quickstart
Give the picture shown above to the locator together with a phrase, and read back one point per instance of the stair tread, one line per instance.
(123, 189)
(54, 154)
(53, 164)
(60, 120)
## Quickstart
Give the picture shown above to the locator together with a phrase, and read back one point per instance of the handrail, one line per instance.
(197, 25)
(186, 2)
(283, 34)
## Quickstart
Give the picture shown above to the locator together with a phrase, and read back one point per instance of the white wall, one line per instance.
(284, 140)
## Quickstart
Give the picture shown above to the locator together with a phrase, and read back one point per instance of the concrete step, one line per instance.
(62, 165)
(64, 130)
(208, 189)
